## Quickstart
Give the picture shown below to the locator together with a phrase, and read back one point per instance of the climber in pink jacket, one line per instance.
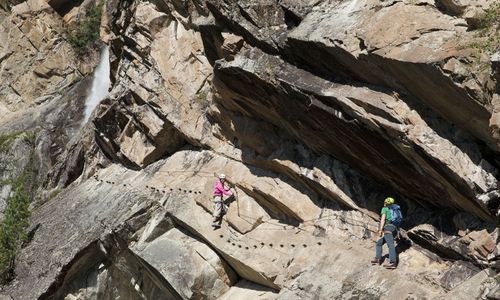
(220, 190)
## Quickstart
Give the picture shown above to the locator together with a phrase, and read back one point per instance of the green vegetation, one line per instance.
(202, 95)
(489, 30)
(12, 230)
(491, 17)
(6, 141)
(86, 32)
(16, 213)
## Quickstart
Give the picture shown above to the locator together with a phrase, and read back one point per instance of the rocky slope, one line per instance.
(316, 111)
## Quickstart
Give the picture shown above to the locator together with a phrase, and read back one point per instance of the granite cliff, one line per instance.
(315, 109)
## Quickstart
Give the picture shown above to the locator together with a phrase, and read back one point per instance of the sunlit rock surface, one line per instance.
(315, 110)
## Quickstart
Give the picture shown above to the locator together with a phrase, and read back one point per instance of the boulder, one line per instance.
(457, 274)
(473, 244)
(193, 269)
(474, 287)
(436, 240)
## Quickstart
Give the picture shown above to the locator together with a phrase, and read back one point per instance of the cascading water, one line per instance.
(100, 84)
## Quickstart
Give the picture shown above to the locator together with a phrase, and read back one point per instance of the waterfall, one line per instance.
(100, 84)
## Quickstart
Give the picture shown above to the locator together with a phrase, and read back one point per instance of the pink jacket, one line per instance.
(220, 190)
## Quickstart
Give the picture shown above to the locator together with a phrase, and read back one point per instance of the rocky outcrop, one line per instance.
(315, 110)
(16, 155)
(173, 253)
(351, 116)
(365, 47)
(44, 83)
(37, 64)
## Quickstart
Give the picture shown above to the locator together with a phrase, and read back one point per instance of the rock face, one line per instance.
(37, 64)
(315, 110)
(43, 80)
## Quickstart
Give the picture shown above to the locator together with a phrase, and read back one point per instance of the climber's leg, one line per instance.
(218, 210)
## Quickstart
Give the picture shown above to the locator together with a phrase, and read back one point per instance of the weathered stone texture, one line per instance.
(316, 110)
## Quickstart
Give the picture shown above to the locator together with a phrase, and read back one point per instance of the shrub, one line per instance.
(86, 32)
(491, 17)
(12, 230)
(489, 30)
(16, 213)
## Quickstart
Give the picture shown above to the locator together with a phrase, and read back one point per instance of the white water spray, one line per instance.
(100, 84)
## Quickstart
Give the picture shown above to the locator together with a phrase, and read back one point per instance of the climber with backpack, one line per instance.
(390, 220)
(220, 207)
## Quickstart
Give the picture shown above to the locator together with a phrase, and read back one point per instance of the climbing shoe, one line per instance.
(215, 225)
(390, 266)
(376, 261)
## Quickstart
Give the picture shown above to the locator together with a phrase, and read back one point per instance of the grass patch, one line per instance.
(489, 30)
(202, 96)
(85, 33)
(6, 141)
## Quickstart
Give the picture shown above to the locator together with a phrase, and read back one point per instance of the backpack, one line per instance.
(396, 215)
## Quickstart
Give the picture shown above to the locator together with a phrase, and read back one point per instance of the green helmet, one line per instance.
(389, 201)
